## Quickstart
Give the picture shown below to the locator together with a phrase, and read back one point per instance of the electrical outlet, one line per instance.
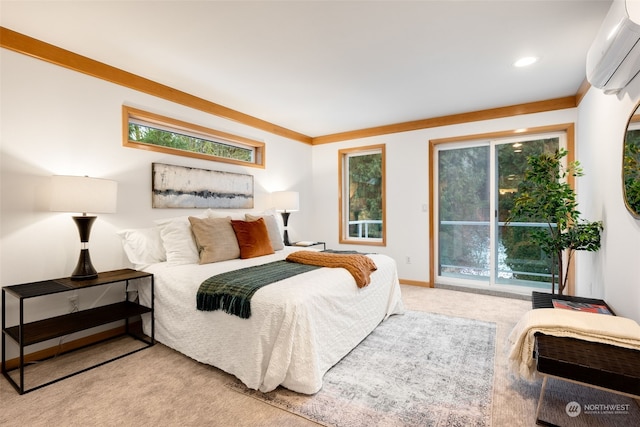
(408, 260)
(73, 303)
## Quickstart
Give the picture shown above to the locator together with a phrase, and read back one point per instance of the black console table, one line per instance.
(26, 334)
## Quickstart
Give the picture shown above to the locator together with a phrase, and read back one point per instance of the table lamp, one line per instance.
(286, 202)
(83, 194)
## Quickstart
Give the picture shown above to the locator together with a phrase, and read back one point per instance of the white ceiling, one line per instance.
(322, 67)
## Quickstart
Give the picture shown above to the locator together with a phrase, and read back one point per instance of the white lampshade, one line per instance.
(286, 201)
(83, 194)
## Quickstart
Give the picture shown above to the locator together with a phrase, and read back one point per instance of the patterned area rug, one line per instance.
(416, 369)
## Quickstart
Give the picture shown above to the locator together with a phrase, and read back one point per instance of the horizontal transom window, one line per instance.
(153, 132)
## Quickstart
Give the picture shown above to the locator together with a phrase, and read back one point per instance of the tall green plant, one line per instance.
(545, 196)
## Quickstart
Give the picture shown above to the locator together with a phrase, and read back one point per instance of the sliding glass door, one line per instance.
(464, 211)
(477, 183)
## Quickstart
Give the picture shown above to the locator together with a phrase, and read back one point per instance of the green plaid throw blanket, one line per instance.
(232, 291)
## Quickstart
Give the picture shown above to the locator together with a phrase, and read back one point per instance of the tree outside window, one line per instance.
(149, 131)
(362, 195)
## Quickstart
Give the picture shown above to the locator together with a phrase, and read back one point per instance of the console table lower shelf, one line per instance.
(26, 334)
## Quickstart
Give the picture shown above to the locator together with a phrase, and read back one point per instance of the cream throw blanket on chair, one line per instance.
(602, 328)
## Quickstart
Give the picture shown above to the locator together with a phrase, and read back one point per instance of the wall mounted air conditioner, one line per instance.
(614, 57)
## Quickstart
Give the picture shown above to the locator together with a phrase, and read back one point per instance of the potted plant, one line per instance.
(545, 196)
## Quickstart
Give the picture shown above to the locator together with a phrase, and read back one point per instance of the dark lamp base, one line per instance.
(84, 269)
(285, 220)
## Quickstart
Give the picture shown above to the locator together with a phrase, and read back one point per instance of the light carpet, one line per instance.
(415, 369)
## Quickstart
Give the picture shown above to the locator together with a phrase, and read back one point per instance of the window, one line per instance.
(474, 187)
(362, 195)
(158, 133)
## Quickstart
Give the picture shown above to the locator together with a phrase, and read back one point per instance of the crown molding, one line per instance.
(474, 116)
(38, 49)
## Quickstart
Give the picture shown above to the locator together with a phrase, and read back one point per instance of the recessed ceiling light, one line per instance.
(526, 61)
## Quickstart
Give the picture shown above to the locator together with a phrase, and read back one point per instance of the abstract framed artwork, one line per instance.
(186, 187)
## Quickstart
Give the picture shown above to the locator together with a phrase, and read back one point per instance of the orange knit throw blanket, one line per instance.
(360, 266)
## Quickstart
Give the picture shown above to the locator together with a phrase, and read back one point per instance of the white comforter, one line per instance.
(299, 327)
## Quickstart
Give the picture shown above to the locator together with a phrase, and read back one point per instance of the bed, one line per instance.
(299, 327)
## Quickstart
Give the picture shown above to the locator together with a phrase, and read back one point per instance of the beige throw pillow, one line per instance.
(272, 229)
(215, 239)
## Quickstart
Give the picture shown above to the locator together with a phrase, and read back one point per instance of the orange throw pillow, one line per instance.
(253, 238)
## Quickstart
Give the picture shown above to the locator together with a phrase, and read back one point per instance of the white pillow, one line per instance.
(277, 216)
(178, 240)
(143, 246)
(272, 228)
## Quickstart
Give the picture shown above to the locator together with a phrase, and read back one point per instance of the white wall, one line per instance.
(613, 273)
(407, 156)
(57, 121)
